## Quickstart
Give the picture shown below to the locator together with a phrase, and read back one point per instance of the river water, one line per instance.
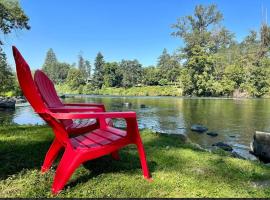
(235, 120)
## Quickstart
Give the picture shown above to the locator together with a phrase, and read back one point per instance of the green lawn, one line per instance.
(178, 170)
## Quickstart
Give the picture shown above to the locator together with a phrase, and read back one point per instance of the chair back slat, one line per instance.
(48, 93)
(27, 83)
(47, 90)
(33, 96)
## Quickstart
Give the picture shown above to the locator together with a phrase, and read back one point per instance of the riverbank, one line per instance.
(133, 91)
(178, 169)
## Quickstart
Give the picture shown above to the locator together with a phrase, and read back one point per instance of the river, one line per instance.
(235, 120)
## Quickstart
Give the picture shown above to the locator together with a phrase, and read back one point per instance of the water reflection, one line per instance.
(234, 120)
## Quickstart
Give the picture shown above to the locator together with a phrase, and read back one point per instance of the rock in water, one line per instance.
(7, 103)
(143, 106)
(198, 128)
(223, 146)
(213, 134)
(261, 145)
(127, 104)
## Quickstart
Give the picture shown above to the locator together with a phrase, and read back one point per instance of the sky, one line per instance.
(119, 29)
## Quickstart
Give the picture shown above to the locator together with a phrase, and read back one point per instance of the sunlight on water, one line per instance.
(234, 120)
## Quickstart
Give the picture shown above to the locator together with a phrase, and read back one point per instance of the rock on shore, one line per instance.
(260, 146)
(6, 102)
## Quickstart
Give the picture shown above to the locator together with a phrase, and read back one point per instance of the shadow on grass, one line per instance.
(29, 150)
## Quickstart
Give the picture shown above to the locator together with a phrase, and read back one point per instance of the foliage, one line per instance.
(131, 72)
(88, 68)
(98, 76)
(75, 79)
(214, 64)
(169, 67)
(112, 75)
(82, 67)
(150, 75)
(12, 17)
(210, 63)
(7, 78)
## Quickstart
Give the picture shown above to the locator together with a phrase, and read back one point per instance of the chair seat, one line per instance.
(82, 126)
(97, 138)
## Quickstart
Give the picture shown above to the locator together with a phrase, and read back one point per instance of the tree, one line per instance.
(56, 71)
(202, 40)
(12, 17)
(112, 75)
(75, 78)
(88, 69)
(132, 72)
(7, 78)
(169, 67)
(82, 67)
(98, 77)
(150, 75)
(50, 63)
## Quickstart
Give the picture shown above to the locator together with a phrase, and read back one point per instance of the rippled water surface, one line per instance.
(234, 120)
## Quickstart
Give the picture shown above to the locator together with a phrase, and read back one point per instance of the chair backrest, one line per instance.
(48, 93)
(33, 96)
(26, 82)
(47, 89)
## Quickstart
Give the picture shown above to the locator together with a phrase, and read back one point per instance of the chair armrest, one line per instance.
(99, 115)
(69, 109)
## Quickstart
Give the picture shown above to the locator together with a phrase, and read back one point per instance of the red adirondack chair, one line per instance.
(49, 95)
(93, 144)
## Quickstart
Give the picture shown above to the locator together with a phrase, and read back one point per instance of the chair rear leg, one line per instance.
(51, 155)
(115, 155)
(143, 160)
(65, 169)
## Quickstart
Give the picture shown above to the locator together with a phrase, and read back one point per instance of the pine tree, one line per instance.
(50, 58)
(98, 78)
(88, 69)
(82, 67)
(81, 64)
(7, 79)
(50, 64)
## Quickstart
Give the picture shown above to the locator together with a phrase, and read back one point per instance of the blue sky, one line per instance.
(120, 29)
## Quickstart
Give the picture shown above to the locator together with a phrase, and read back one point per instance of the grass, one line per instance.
(168, 90)
(178, 170)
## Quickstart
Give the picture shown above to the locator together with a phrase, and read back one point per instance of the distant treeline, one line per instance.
(210, 63)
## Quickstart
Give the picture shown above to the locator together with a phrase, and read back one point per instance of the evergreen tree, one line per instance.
(82, 67)
(98, 77)
(55, 70)
(7, 79)
(88, 69)
(50, 63)
(169, 67)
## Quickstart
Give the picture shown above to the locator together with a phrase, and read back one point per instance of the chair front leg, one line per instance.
(134, 134)
(51, 155)
(143, 160)
(68, 164)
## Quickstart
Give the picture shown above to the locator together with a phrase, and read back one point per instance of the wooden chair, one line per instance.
(93, 144)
